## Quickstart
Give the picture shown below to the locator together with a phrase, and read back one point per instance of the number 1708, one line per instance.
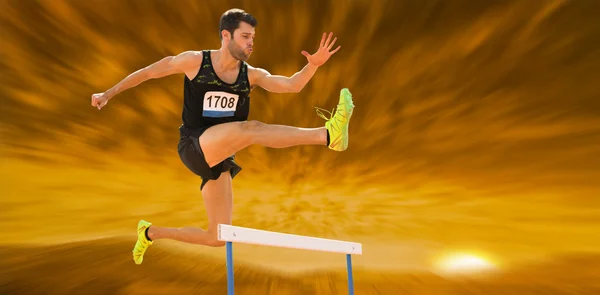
(225, 101)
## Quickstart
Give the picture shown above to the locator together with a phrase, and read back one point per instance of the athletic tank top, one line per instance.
(207, 100)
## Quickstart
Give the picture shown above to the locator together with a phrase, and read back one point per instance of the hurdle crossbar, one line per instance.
(236, 234)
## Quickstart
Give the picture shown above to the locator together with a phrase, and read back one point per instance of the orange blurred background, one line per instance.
(476, 131)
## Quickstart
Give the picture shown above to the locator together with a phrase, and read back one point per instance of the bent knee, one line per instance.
(215, 243)
(252, 125)
(251, 130)
(213, 239)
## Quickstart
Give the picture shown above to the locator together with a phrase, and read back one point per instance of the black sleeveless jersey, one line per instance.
(207, 100)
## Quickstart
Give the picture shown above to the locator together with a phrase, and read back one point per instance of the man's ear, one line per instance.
(226, 35)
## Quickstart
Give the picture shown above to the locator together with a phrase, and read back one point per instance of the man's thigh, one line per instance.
(223, 140)
(218, 201)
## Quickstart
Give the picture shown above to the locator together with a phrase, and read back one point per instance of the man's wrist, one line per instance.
(109, 93)
(312, 66)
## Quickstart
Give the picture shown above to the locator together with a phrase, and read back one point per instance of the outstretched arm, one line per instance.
(295, 83)
(283, 84)
(167, 66)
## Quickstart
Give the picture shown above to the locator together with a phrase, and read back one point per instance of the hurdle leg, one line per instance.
(350, 280)
(229, 247)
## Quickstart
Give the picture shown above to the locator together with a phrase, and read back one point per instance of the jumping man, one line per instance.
(216, 102)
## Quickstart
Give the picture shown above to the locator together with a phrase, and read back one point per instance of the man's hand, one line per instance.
(323, 53)
(295, 83)
(99, 100)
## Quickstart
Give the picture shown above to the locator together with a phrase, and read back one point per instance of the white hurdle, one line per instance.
(235, 234)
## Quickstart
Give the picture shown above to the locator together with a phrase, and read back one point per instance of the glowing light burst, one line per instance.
(465, 263)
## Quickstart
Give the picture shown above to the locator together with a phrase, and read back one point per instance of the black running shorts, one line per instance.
(192, 156)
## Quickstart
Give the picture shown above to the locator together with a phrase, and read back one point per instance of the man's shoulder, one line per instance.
(192, 53)
(187, 59)
(256, 70)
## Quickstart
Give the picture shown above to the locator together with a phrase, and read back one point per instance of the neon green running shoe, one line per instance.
(337, 124)
(142, 242)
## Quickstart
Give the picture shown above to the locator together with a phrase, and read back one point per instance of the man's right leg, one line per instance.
(218, 200)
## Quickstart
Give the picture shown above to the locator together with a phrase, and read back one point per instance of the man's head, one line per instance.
(236, 30)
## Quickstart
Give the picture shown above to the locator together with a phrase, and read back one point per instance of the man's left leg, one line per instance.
(218, 200)
(222, 140)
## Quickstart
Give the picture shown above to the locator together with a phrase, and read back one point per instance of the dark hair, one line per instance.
(230, 20)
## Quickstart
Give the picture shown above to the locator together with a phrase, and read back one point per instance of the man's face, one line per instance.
(240, 46)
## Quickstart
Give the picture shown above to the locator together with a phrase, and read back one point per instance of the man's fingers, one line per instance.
(322, 40)
(332, 42)
(329, 38)
(338, 48)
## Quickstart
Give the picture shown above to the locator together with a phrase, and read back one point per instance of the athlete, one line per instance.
(216, 103)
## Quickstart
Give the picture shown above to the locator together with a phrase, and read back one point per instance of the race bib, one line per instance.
(218, 104)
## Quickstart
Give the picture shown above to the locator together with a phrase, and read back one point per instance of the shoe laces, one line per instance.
(320, 113)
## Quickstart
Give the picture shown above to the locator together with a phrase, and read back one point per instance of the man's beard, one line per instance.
(237, 52)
